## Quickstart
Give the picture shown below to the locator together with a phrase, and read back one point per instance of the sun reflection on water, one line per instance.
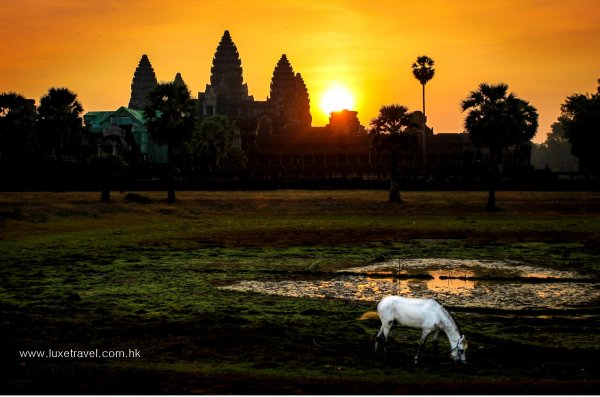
(452, 284)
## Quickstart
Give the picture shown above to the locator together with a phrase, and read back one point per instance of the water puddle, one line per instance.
(458, 283)
(462, 267)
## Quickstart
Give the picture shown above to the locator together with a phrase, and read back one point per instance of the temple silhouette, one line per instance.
(277, 134)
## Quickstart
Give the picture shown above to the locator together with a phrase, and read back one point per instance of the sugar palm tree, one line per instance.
(170, 119)
(393, 130)
(496, 121)
(423, 71)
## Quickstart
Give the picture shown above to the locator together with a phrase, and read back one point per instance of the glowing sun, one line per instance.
(337, 98)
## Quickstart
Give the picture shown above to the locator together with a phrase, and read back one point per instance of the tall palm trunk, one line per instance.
(105, 182)
(60, 183)
(170, 177)
(423, 129)
(491, 203)
(395, 179)
(105, 194)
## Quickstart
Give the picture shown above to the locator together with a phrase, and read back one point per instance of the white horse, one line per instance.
(426, 314)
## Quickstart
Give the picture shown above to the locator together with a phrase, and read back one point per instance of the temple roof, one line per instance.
(98, 123)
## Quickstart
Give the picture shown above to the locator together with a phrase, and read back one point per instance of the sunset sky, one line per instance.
(544, 50)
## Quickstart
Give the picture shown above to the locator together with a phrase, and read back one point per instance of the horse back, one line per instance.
(410, 312)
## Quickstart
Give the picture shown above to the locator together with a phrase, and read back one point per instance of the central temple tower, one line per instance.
(286, 111)
(227, 92)
(226, 73)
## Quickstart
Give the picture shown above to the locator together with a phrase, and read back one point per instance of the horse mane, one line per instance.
(449, 317)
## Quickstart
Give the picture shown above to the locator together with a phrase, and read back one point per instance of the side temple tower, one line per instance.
(144, 80)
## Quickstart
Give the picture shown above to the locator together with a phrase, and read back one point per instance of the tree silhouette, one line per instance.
(60, 125)
(581, 122)
(213, 146)
(170, 120)
(17, 137)
(393, 130)
(555, 153)
(496, 121)
(423, 71)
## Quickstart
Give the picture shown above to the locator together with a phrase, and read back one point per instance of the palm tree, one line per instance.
(170, 119)
(496, 121)
(394, 130)
(423, 71)
(60, 124)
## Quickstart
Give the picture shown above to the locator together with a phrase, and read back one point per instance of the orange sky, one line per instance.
(544, 50)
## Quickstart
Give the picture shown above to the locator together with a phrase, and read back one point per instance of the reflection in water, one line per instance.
(367, 286)
(537, 275)
(450, 286)
(458, 267)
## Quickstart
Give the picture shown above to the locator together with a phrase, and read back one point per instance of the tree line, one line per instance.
(496, 120)
(49, 138)
(50, 135)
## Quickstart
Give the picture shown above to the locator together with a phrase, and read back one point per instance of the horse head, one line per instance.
(458, 351)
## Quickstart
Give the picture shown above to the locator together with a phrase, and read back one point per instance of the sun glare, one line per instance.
(337, 98)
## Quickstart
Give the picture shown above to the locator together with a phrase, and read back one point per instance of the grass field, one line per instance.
(79, 274)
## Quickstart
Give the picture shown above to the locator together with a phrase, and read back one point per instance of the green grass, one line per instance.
(81, 274)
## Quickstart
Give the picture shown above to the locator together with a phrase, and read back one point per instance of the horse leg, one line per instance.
(436, 345)
(424, 336)
(379, 338)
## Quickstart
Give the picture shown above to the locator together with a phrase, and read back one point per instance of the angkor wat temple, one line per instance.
(276, 134)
